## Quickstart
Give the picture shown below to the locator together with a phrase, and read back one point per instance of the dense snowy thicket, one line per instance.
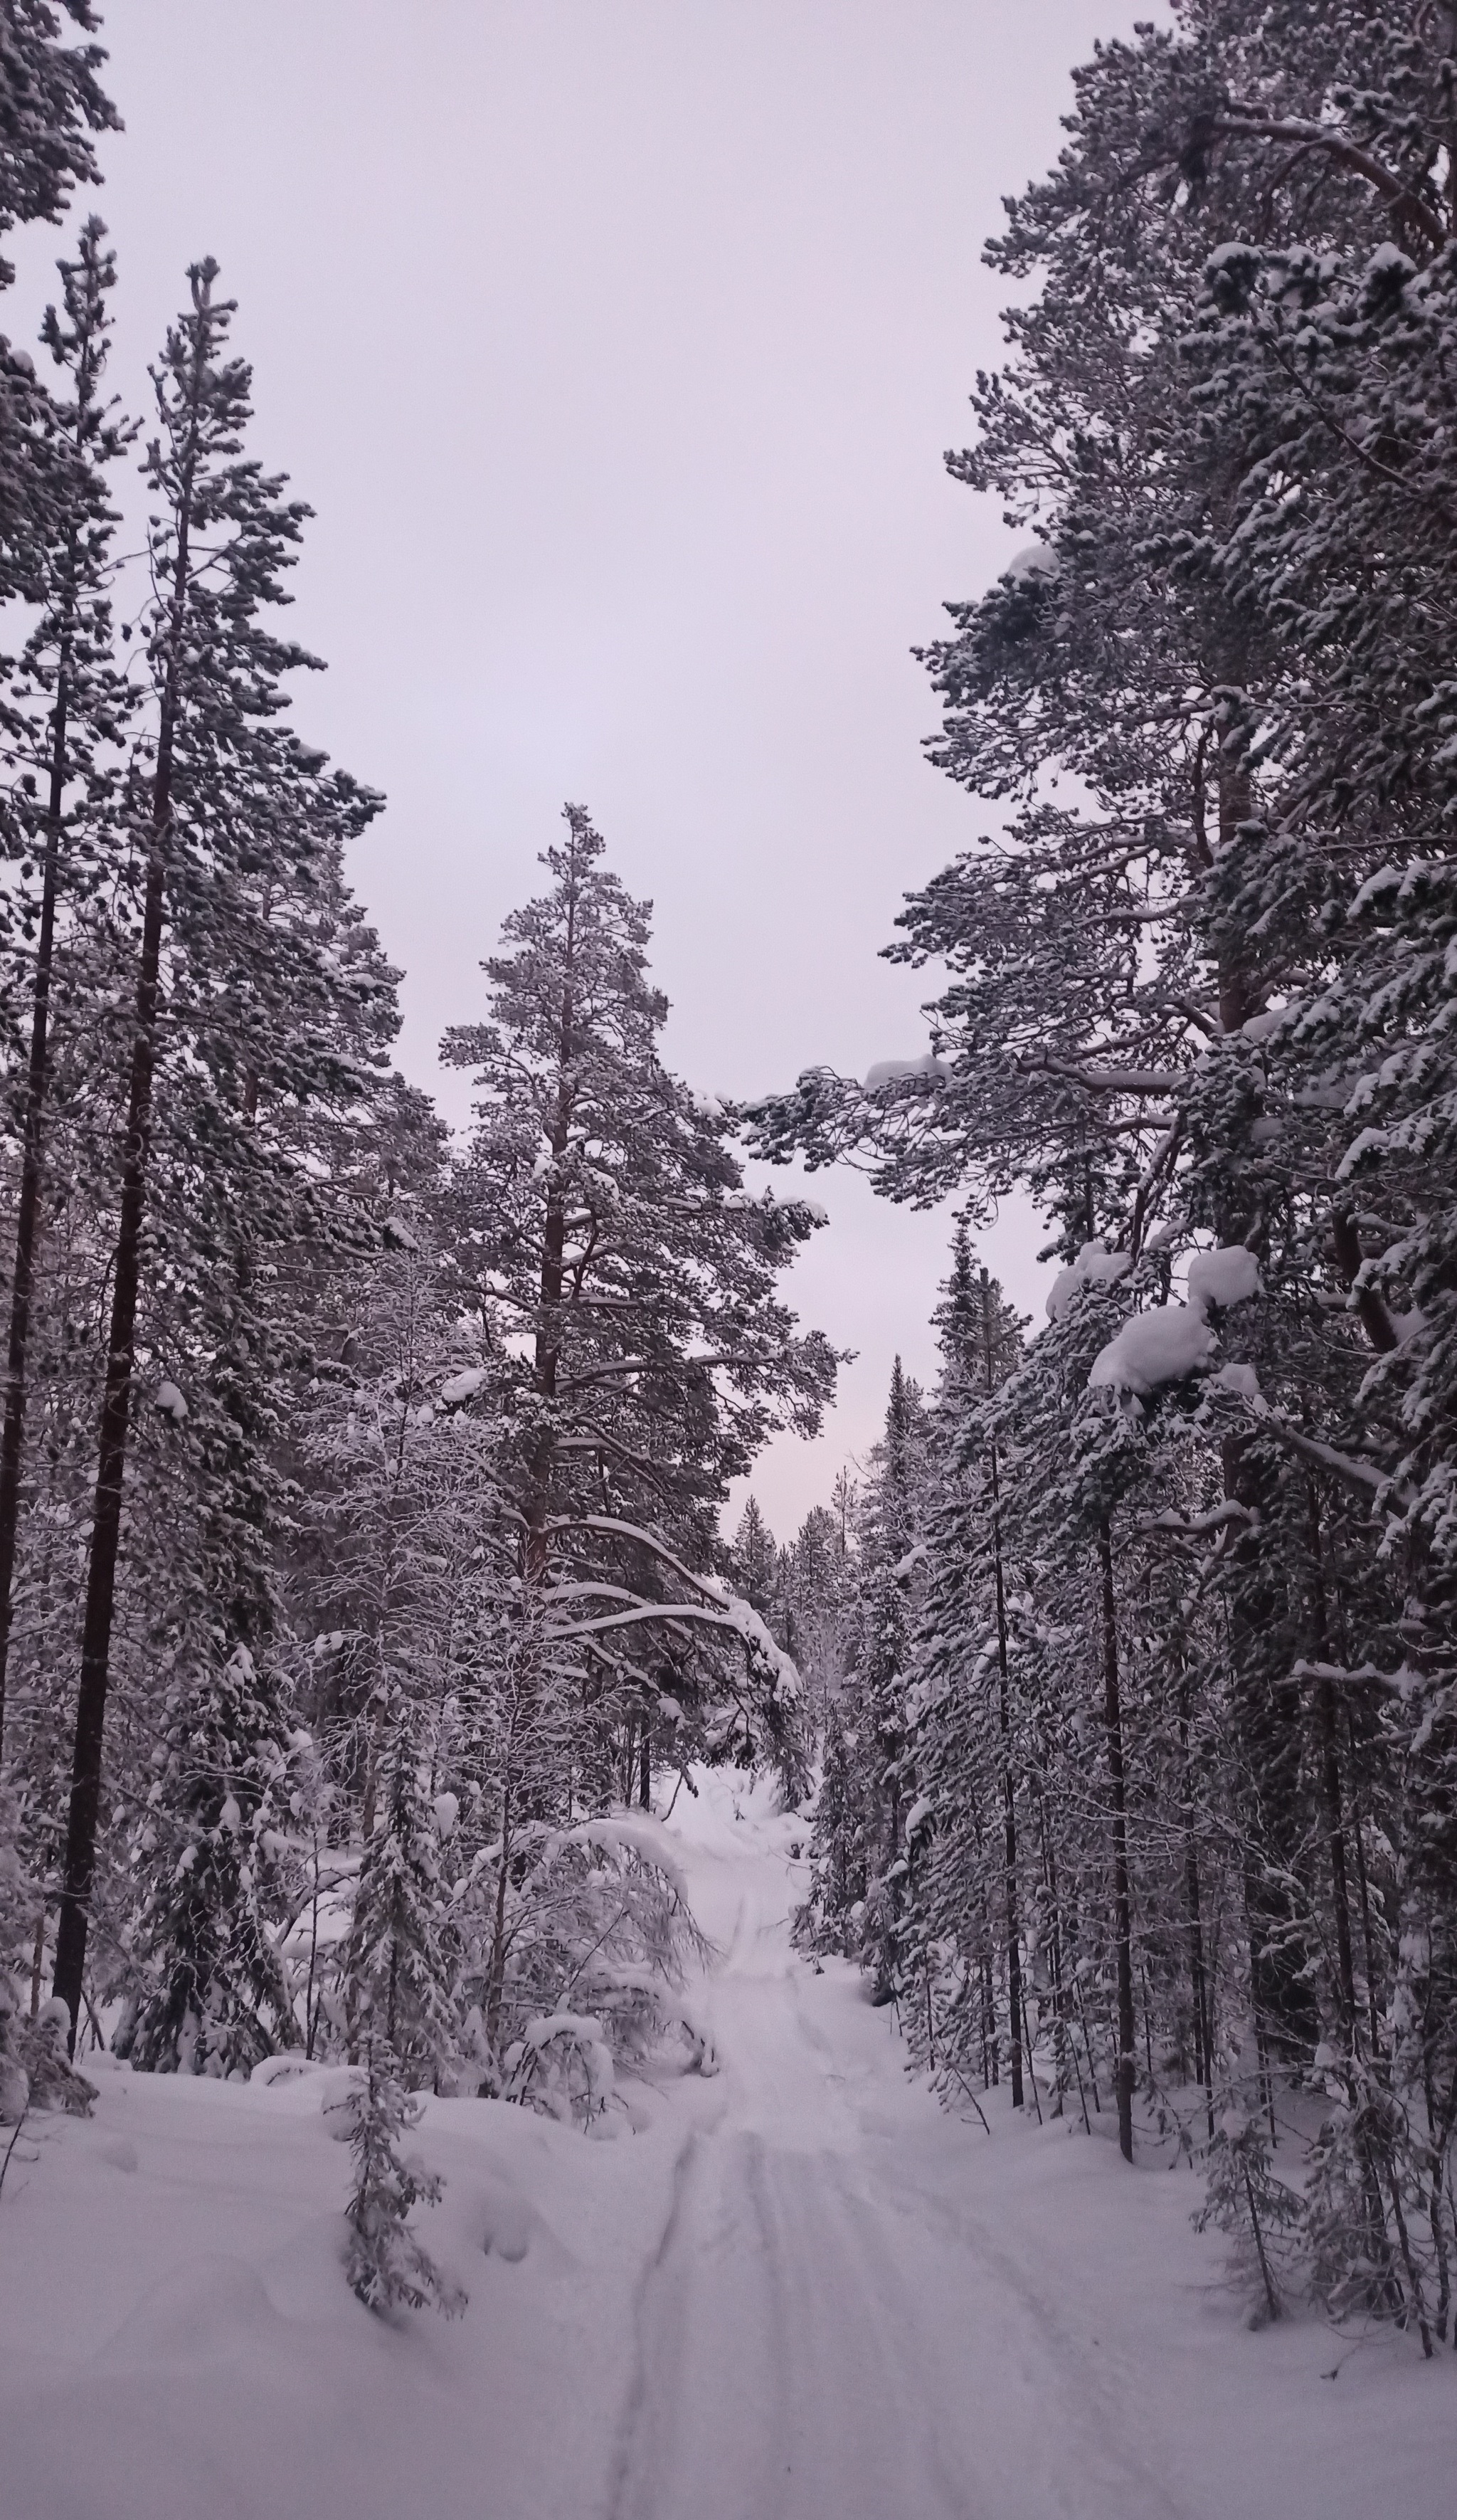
(1160, 1792)
(359, 1553)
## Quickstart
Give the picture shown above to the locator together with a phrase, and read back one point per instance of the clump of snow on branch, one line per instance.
(1166, 1345)
(1171, 1342)
(1224, 1278)
(1094, 1267)
(890, 1071)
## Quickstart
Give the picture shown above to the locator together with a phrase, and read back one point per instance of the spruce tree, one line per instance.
(386, 2266)
(211, 1995)
(397, 1967)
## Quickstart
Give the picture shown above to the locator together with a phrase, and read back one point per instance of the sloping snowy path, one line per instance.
(794, 2291)
(821, 2330)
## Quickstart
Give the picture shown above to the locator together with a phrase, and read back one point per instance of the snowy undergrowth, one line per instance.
(798, 2287)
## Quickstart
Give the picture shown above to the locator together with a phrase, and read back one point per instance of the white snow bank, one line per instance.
(1094, 1267)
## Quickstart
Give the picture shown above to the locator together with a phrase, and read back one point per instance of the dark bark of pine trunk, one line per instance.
(105, 1529)
(1204, 2046)
(32, 1159)
(116, 1417)
(1331, 1793)
(1008, 1800)
(1123, 1913)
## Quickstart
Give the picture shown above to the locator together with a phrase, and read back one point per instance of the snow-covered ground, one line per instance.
(794, 2291)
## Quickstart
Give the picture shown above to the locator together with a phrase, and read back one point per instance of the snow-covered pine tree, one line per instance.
(833, 1915)
(68, 705)
(754, 1561)
(1207, 1005)
(398, 1966)
(240, 836)
(623, 1282)
(405, 1543)
(54, 102)
(812, 1598)
(1256, 2208)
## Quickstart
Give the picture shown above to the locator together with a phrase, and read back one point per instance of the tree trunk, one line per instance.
(115, 1416)
(1204, 2046)
(105, 1529)
(1123, 1923)
(1008, 1801)
(1330, 1785)
(33, 1151)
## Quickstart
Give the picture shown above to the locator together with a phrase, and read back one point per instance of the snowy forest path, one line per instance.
(793, 2289)
(823, 2331)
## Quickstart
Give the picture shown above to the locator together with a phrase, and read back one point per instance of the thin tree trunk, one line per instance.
(33, 1153)
(1204, 2059)
(1123, 1914)
(115, 1416)
(105, 1529)
(1008, 1801)
(1330, 1785)
(1092, 2070)
(1373, 2019)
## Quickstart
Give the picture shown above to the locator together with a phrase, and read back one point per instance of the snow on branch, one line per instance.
(1173, 1341)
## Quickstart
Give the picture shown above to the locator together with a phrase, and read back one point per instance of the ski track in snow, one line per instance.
(806, 2330)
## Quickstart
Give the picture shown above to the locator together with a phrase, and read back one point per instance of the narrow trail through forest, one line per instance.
(793, 2289)
(824, 2328)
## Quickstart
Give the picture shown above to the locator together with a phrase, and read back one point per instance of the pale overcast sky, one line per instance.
(617, 344)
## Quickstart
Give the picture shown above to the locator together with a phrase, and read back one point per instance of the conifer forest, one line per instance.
(793, 2004)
